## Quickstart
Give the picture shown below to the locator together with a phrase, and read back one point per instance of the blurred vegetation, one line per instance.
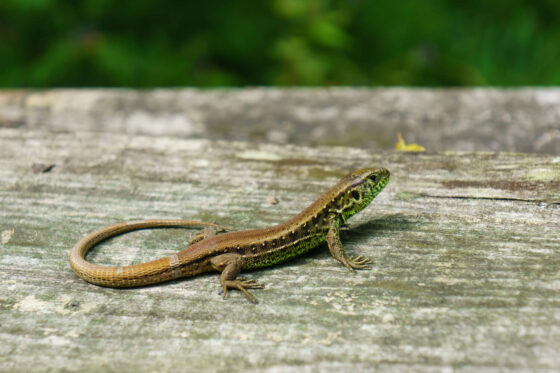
(146, 43)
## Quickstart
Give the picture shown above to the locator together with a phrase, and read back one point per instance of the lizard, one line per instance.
(232, 252)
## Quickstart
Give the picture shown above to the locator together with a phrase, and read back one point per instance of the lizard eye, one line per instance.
(356, 195)
(373, 178)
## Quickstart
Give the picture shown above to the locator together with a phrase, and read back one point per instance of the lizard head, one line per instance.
(361, 187)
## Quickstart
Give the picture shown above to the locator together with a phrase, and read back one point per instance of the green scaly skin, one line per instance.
(312, 226)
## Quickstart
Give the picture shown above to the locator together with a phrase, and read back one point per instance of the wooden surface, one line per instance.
(465, 246)
(523, 120)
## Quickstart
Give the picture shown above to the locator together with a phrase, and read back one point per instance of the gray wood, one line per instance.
(526, 120)
(465, 248)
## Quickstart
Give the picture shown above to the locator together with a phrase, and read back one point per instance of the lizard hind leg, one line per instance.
(230, 265)
(204, 234)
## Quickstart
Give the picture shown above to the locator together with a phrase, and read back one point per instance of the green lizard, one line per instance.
(232, 252)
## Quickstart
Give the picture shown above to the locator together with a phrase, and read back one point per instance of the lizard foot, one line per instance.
(358, 262)
(205, 233)
(242, 285)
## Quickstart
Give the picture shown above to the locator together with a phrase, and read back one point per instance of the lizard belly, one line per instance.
(285, 252)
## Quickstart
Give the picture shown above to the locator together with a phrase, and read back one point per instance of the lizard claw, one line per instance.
(242, 285)
(359, 262)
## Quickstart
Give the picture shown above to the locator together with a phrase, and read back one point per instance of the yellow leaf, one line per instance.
(401, 145)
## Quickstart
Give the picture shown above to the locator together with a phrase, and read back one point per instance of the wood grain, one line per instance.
(465, 248)
(521, 120)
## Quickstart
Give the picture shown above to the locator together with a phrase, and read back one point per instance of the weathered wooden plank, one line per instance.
(522, 120)
(465, 248)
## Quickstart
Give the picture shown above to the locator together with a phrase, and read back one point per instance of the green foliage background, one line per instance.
(146, 43)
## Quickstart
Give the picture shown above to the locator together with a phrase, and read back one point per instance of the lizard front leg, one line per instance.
(337, 251)
(230, 265)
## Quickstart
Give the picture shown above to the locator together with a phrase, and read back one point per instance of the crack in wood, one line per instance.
(534, 201)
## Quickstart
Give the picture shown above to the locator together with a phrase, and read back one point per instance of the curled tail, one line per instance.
(156, 271)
